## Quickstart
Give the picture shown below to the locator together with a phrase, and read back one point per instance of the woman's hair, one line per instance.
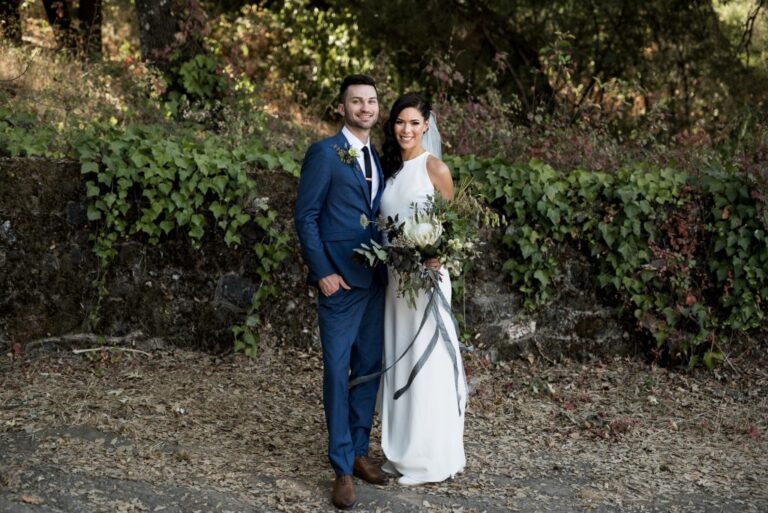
(391, 158)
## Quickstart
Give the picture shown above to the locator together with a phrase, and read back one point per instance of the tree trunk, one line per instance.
(57, 12)
(10, 20)
(159, 24)
(90, 16)
(500, 36)
(83, 37)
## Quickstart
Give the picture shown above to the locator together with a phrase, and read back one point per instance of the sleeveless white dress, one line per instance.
(422, 430)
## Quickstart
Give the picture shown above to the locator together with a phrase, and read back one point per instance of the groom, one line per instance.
(341, 180)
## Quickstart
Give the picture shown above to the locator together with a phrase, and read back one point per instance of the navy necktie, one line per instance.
(368, 168)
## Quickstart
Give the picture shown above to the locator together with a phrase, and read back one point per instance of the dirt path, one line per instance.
(185, 432)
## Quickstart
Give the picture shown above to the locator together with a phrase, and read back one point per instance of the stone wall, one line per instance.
(45, 260)
(184, 296)
(191, 298)
(574, 325)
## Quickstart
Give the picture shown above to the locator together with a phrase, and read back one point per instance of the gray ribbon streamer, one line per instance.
(419, 364)
(440, 332)
(447, 340)
(369, 377)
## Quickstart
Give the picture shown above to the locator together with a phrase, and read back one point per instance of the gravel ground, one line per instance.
(118, 431)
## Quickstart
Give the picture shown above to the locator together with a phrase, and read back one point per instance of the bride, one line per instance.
(422, 430)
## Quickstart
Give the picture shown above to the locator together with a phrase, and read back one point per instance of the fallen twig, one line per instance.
(537, 345)
(110, 348)
(16, 77)
(84, 337)
(730, 364)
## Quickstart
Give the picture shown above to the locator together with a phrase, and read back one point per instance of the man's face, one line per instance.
(360, 107)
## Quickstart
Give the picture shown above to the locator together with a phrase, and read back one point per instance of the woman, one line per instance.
(422, 430)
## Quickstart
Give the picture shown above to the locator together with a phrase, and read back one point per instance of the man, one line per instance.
(341, 180)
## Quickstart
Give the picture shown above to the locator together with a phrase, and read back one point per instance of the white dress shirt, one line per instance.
(358, 145)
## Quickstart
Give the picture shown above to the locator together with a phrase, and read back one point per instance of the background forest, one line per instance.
(632, 133)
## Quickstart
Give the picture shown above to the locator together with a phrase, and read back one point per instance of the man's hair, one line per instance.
(351, 80)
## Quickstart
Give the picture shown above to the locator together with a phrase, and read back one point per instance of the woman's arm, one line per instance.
(440, 176)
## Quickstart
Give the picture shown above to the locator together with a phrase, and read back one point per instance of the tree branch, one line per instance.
(16, 77)
(746, 37)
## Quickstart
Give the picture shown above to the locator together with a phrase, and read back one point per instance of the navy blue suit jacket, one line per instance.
(331, 199)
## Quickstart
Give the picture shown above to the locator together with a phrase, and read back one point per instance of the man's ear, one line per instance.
(341, 109)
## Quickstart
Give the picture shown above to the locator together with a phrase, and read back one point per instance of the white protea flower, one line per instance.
(423, 231)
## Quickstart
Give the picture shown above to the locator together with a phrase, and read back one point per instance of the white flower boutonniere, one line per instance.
(347, 155)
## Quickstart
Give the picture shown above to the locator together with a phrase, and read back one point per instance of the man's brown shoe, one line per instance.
(366, 470)
(343, 492)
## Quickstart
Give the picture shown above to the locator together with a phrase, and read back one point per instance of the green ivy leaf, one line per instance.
(542, 277)
(92, 189)
(713, 358)
(89, 167)
(93, 213)
(166, 226)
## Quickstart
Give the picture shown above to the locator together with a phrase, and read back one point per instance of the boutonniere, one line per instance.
(347, 155)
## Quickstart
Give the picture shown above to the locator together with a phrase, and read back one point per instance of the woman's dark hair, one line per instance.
(391, 158)
(351, 80)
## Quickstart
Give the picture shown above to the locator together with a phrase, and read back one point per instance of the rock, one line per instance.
(234, 290)
(581, 333)
(75, 256)
(574, 324)
(558, 330)
(49, 263)
(252, 233)
(7, 234)
(76, 213)
(131, 254)
(507, 339)
(120, 290)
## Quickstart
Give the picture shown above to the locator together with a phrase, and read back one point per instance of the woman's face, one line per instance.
(410, 126)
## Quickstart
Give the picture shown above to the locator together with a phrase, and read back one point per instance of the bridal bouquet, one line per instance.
(445, 230)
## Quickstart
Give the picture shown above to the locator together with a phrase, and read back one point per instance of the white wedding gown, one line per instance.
(422, 430)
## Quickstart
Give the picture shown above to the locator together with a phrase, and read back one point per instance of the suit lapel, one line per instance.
(380, 171)
(354, 168)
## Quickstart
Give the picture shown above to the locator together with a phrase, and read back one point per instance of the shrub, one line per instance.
(685, 254)
(299, 51)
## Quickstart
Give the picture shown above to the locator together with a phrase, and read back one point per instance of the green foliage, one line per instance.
(321, 46)
(144, 182)
(300, 47)
(630, 208)
(151, 183)
(690, 276)
(518, 48)
(200, 79)
(271, 252)
(201, 91)
(20, 135)
(739, 248)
